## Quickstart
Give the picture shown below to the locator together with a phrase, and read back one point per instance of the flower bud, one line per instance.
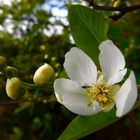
(43, 74)
(11, 72)
(2, 63)
(13, 86)
(46, 56)
(118, 3)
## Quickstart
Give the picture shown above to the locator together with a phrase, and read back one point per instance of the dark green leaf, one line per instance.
(84, 125)
(88, 29)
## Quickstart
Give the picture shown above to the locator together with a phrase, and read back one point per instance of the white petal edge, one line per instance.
(80, 67)
(126, 96)
(81, 109)
(72, 96)
(112, 62)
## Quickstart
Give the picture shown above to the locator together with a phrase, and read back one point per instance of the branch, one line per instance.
(116, 17)
(110, 8)
(123, 10)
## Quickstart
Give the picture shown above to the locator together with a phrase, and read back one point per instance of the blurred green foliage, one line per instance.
(26, 44)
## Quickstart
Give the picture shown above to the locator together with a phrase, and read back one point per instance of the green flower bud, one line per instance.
(11, 72)
(56, 75)
(117, 3)
(42, 48)
(43, 74)
(46, 56)
(53, 59)
(13, 86)
(57, 66)
(3, 63)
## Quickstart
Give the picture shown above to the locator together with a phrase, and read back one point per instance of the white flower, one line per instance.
(89, 92)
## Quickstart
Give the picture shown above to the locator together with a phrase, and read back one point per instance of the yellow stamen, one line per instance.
(102, 93)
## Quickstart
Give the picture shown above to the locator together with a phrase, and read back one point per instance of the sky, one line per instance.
(58, 11)
(6, 2)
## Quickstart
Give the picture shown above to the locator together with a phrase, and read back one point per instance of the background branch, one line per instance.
(123, 9)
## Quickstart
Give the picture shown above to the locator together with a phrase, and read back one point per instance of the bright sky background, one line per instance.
(6, 2)
(58, 13)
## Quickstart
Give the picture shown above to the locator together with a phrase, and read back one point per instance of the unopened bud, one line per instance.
(42, 48)
(53, 59)
(57, 65)
(56, 74)
(11, 72)
(2, 63)
(43, 74)
(118, 3)
(13, 86)
(46, 56)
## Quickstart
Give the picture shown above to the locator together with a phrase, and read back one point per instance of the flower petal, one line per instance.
(80, 67)
(82, 109)
(112, 62)
(126, 96)
(72, 96)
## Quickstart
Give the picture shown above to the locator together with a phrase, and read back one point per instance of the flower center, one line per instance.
(102, 93)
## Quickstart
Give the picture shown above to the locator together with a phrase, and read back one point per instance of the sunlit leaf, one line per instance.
(88, 29)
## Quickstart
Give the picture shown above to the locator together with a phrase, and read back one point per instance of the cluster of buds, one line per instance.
(14, 85)
(41, 77)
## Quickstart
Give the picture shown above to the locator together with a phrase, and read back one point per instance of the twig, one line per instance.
(123, 10)
(116, 17)
(110, 8)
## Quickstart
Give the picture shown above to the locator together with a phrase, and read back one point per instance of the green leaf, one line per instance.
(88, 29)
(85, 125)
(82, 126)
